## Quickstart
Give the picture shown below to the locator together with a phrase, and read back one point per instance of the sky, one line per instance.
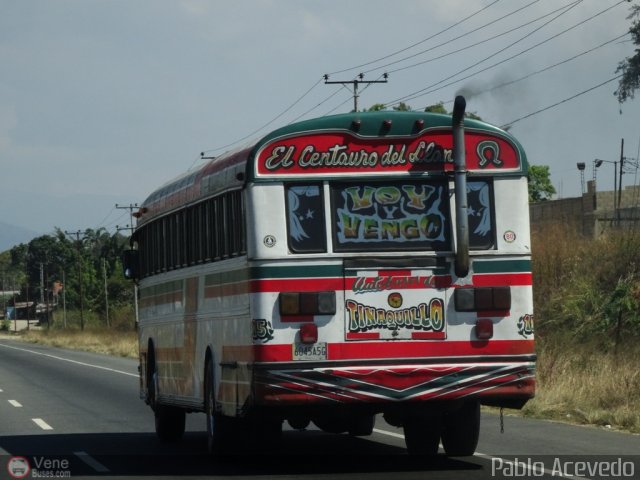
(102, 101)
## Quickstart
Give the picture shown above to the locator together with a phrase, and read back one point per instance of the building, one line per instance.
(593, 213)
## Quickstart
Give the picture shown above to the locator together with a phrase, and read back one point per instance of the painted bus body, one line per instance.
(314, 271)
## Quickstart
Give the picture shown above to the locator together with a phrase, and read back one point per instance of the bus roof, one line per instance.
(363, 143)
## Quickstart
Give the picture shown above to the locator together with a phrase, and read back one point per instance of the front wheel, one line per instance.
(461, 430)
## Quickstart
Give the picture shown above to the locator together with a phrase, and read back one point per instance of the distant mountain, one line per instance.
(11, 235)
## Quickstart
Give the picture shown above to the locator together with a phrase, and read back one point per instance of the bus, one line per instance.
(339, 270)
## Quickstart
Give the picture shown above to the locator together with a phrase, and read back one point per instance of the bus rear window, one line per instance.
(305, 218)
(480, 214)
(391, 216)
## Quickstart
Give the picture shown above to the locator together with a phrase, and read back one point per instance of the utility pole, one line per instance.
(41, 283)
(64, 300)
(79, 267)
(26, 291)
(620, 181)
(355, 84)
(4, 298)
(131, 207)
(130, 227)
(106, 293)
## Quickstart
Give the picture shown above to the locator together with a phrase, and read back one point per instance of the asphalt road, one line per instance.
(78, 414)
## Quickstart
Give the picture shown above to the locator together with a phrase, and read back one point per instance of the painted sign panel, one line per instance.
(379, 216)
(389, 305)
(342, 152)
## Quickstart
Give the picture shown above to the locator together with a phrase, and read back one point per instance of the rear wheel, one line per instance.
(422, 435)
(169, 423)
(461, 430)
(361, 425)
(217, 424)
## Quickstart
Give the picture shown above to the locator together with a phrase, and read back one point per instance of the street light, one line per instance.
(597, 163)
(581, 167)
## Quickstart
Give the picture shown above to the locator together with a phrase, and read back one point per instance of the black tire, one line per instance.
(152, 380)
(422, 435)
(169, 423)
(361, 425)
(462, 430)
(218, 438)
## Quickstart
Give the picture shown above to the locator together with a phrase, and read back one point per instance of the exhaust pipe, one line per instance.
(460, 181)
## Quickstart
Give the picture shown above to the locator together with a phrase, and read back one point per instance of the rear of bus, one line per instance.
(366, 299)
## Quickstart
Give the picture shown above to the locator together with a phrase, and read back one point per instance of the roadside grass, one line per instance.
(585, 385)
(587, 314)
(100, 340)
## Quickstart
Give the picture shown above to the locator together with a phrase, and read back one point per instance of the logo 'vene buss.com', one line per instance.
(18, 467)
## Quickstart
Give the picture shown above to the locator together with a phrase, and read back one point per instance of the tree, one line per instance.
(402, 107)
(437, 108)
(629, 68)
(376, 107)
(540, 186)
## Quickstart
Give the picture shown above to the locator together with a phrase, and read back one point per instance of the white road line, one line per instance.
(42, 424)
(391, 434)
(504, 461)
(15, 403)
(71, 361)
(92, 462)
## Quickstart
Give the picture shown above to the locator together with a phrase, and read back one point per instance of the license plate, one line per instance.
(317, 351)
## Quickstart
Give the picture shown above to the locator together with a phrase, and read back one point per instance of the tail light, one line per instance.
(309, 333)
(482, 299)
(307, 303)
(484, 329)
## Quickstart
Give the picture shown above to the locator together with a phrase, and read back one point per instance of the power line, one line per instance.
(268, 123)
(319, 104)
(101, 224)
(459, 22)
(545, 69)
(456, 39)
(131, 207)
(509, 124)
(357, 81)
(345, 101)
(419, 93)
(422, 92)
(480, 42)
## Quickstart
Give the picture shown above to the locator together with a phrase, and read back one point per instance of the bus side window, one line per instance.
(305, 219)
(481, 217)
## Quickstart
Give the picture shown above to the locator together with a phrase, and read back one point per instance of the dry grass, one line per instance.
(110, 342)
(586, 302)
(582, 384)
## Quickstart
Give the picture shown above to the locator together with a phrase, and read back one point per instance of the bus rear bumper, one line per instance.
(495, 383)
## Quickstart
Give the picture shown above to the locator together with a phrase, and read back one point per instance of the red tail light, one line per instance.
(484, 329)
(309, 333)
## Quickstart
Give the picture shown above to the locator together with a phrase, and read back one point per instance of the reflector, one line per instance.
(484, 329)
(309, 333)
